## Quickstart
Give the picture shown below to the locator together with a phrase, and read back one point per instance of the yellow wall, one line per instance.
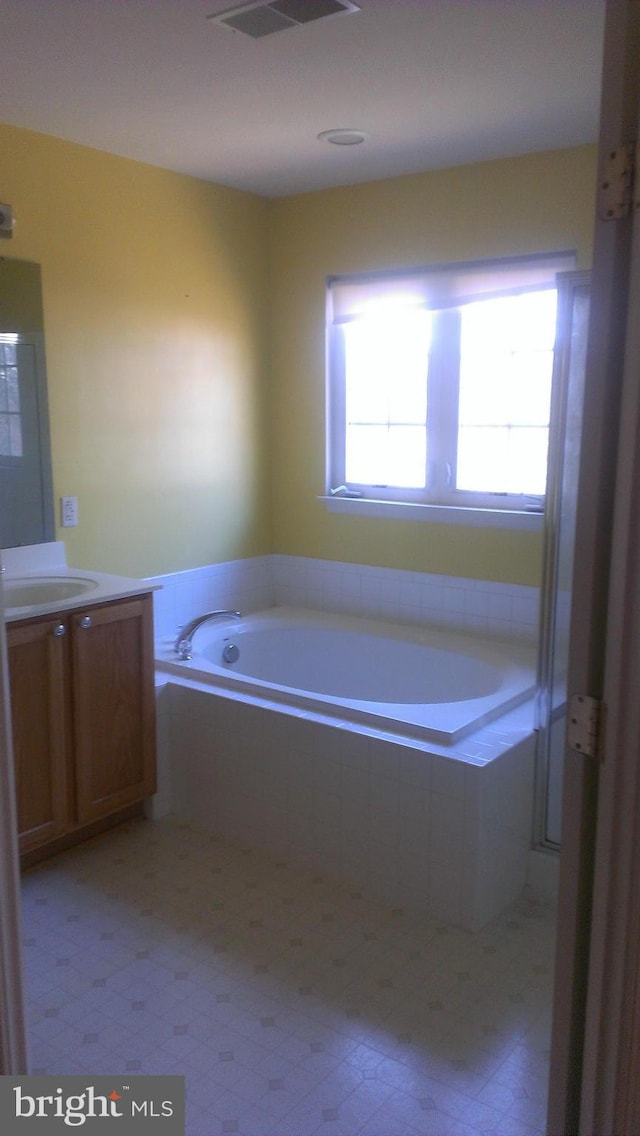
(185, 345)
(20, 297)
(535, 203)
(155, 321)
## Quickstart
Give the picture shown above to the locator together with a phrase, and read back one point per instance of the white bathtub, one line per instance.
(393, 758)
(425, 684)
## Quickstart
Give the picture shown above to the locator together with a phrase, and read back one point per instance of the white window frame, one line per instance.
(443, 289)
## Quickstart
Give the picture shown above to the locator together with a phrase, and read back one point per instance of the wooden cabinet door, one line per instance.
(38, 678)
(113, 706)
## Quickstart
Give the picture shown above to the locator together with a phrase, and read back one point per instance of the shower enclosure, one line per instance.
(559, 538)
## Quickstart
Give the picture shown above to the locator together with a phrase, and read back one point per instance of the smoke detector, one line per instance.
(269, 16)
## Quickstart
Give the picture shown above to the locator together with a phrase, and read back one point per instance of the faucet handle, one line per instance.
(183, 648)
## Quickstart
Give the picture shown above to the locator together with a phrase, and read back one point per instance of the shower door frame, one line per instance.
(571, 287)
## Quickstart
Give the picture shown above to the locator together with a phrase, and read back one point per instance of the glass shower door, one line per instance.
(559, 538)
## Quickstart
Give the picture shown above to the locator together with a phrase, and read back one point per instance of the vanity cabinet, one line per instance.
(41, 721)
(83, 713)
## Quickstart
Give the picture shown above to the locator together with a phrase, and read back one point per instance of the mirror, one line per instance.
(26, 493)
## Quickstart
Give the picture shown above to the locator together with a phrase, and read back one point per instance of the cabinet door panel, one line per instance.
(113, 706)
(40, 716)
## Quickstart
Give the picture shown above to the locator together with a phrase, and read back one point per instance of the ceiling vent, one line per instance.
(258, 20)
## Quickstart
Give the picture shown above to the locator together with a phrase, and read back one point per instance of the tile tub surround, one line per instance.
(291, 1006)
(448, 830)
(244, 584)
(441, 830)
(507, 611)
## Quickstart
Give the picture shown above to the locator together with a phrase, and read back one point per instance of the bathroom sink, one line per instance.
(36, 590)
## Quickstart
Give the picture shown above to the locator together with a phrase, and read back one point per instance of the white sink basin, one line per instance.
(34, 591)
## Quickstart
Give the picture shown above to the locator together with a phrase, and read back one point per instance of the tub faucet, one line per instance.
(183, 643)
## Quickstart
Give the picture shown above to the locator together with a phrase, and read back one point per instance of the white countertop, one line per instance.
(47, 562)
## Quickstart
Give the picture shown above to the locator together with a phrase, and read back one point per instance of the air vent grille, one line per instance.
(263, 19)
(304, 11)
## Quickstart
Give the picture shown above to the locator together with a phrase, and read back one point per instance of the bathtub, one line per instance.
(396, 759)
(421, 683)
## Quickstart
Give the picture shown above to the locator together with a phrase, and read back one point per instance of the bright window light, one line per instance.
(440, 383)
(506, 365)
(386, 365)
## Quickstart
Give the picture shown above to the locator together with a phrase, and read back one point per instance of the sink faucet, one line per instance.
(183, 643)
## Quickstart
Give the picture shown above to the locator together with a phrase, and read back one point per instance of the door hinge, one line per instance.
(618, 184)
(585, 725)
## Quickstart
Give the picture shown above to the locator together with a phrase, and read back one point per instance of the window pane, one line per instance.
(506, 366)
(520, 323)
(5, 442)
(15, 435)
(366, 455)
(530, 388)
(408, 395)
(386, 365)
(532, 317)
(13, 389)
(407, 462)
(386, 455)
(502, 460)
(483, 453)
(528, 460)
(367, 378)
(8, 352)
(484, 388)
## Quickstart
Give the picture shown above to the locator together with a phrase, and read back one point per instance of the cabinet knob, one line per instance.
(85, 621)
(59, 630)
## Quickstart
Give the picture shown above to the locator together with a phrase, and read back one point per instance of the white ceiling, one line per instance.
(434, 83)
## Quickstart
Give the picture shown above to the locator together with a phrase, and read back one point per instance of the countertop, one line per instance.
(26, 566)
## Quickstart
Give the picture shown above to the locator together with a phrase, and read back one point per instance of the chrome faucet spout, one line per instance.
(183, 644)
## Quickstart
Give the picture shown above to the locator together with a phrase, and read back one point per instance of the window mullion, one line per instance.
(442, 417)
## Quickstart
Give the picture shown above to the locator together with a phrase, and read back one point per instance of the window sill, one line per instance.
(436, 514)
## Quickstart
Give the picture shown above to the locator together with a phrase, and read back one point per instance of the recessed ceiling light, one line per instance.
(343, 137)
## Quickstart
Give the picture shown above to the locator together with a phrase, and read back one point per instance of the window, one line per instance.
(440, 384)
(10, 416)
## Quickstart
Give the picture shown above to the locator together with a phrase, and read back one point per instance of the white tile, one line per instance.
(449, 777)
(448, 832)
(415, 768)
(332, 585)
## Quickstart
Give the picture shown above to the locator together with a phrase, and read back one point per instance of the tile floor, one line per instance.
(291, 1005)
